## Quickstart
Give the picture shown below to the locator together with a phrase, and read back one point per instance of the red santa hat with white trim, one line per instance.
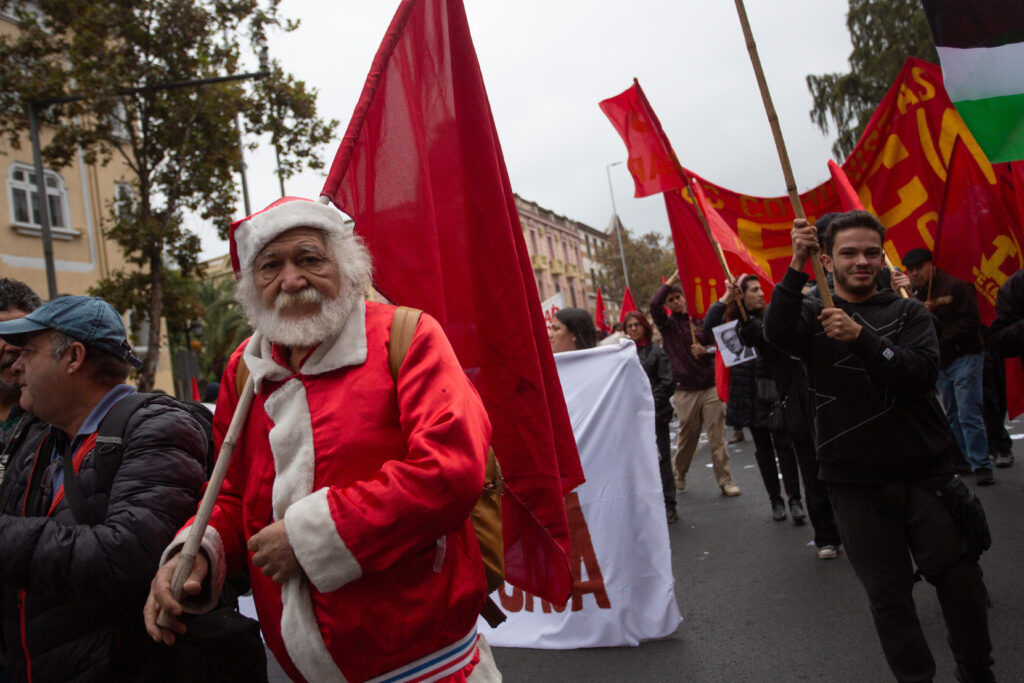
(250, 234)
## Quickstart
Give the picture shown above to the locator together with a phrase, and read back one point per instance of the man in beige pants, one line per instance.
(696, 401)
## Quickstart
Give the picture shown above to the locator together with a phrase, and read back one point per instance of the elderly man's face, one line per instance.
(296, 273)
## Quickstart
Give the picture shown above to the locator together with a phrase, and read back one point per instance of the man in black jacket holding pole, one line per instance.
(884, 446)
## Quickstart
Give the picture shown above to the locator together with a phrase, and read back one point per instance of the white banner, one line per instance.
(623, 590)
(552, 306)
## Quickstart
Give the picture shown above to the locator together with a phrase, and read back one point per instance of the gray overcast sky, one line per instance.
(547, 63)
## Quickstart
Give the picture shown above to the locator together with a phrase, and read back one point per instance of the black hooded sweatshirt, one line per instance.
(875, 414)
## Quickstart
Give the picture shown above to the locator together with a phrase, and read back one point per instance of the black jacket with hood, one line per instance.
(876, 416)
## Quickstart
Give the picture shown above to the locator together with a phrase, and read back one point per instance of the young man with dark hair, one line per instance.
(883, 444)
(954, 305)
(696, 402)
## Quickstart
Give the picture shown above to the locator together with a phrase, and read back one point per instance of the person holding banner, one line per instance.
(572, 329)
(885, 448)
(697, 405)
(659, 372)
(750, 405)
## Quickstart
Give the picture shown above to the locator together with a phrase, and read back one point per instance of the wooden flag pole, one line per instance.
(707, 230)
(187, 556)
(903, 290)
(780, 146)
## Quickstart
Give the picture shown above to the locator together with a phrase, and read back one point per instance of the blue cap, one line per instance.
(88, 319)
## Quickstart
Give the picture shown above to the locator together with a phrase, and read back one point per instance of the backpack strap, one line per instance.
(107, 456)
(403, 328)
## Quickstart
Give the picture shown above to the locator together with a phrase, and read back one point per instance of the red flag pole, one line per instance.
(780, 146)
(686, 178)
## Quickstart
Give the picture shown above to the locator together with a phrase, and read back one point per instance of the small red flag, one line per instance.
(195, 390)
(848, 197)
(600, 316)
(627, 305)
(974, 241)
(651, 161)
(420, 169)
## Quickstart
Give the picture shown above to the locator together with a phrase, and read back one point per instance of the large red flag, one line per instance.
(652, 163)
(600, 316)
(702, 278)
(420, 169)
(627, 305)
(975, 242)
(848, 198)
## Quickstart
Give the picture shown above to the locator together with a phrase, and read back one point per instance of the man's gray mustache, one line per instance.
(307, 295)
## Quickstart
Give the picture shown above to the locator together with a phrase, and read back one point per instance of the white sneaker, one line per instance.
(828, 552)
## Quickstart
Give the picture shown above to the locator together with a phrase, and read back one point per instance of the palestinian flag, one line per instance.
(981, 47)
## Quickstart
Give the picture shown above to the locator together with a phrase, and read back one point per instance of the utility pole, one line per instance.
(618, 223)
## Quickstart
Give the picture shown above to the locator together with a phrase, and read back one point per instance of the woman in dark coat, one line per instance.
(750, 402)
(655, 363)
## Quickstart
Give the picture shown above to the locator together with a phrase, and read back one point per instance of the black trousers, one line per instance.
(664, 441)
(765, 453)
(884, 527)
(816, 500)
(994, 402)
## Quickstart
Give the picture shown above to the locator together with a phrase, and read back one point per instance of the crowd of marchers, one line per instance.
(330, 509)
(883, 401)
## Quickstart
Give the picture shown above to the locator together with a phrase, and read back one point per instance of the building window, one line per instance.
(24, 201)
(589, 253)
(572, 295)
(551, 248)
(533, 242)
(124, 199)
(565, 251)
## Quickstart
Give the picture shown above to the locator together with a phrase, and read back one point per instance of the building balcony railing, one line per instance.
(539, 261)
(557, 266)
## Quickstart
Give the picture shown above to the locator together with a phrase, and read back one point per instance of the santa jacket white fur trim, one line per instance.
(291, 443)
(214, 548)
(252, 235)
(324, 557)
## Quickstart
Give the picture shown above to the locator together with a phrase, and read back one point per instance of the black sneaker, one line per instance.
(671, 515)
(778, 511)
(984, 477)
(796, 509)
(1004, 459)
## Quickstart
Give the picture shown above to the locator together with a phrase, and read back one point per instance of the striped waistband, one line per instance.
(436, 665)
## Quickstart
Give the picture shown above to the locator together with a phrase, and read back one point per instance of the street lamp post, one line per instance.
(37, 105)
(618, 223)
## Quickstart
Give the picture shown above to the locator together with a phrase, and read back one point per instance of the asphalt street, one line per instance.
(758, 604)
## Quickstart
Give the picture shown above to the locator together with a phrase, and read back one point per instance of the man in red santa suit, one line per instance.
(349, 493)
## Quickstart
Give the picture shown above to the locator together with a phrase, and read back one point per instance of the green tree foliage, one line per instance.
(884, 33)
(648, 257)
(180, 146)
(224, 326)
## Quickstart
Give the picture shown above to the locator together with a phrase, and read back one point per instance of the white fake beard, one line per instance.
(292, 332)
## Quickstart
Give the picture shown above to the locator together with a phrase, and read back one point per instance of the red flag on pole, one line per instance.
(651, 160)
(600, 317)
(627, 305)
(195, 390)
(701, 273)
(975, 242)
(420, 169)
(848, 197)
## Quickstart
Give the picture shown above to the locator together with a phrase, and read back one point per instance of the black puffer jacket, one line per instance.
(659, 372)
(743, 408)
(79, 589)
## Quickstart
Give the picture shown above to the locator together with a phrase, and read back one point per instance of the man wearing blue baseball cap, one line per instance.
(80, 544)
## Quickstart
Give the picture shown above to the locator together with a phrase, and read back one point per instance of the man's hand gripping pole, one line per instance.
(187, 556)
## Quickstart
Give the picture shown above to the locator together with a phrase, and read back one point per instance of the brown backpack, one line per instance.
(486, 514)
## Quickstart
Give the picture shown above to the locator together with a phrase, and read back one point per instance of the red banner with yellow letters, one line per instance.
(899, 171)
